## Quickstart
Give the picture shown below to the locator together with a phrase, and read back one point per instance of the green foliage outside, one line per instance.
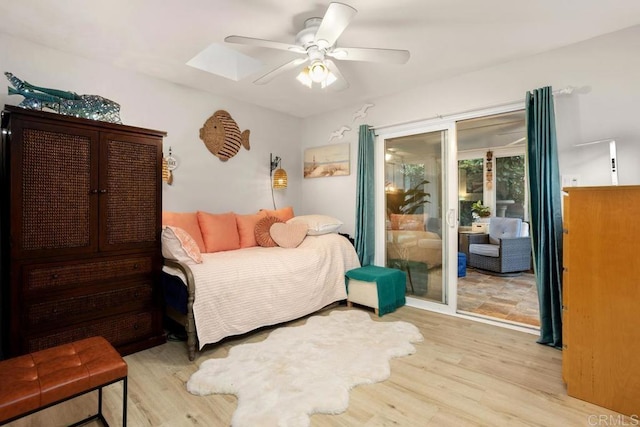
(472, 166)
(474, 170)
(510, 178)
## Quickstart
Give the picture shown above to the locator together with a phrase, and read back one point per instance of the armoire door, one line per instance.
(53, 201)
(130, 191)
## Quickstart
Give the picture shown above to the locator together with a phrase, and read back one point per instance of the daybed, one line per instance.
(240, 285)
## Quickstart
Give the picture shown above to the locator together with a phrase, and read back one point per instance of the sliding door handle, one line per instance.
(451, 218)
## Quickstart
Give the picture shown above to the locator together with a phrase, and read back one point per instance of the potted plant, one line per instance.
(479, 210)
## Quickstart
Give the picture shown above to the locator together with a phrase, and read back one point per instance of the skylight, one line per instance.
(225, 62)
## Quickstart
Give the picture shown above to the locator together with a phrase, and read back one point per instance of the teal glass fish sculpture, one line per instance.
(63, 102)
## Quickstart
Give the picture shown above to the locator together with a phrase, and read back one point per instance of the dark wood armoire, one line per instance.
(81, 223)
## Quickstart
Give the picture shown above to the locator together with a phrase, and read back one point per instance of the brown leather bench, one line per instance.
(45, 378)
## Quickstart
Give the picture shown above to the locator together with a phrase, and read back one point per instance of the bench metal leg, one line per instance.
(99, 415)
(100, 403)
(124, 402)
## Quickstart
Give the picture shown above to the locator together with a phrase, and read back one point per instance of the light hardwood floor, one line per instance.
(465, 373)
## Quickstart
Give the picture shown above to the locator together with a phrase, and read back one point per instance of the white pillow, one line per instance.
(317, 224)
(179, 245)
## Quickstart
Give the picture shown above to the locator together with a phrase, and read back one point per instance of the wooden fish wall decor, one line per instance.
(222, 136)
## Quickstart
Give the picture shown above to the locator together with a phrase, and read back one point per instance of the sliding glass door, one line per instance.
(428, 175)
(415, 208)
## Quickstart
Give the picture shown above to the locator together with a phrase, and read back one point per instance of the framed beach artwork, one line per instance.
(327, 160)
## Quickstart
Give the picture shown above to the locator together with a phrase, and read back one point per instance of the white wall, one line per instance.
(606, 71)
(201, 181)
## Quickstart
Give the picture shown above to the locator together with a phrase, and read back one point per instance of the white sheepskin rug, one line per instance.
(302, 370)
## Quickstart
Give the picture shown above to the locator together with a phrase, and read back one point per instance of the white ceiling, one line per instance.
(445, 38)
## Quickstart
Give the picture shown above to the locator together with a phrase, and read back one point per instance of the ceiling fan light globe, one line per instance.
(318, 71)
(304, 78)
(331, 78)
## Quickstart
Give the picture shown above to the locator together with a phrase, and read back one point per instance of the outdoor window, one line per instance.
(470, 187)
(510, 187)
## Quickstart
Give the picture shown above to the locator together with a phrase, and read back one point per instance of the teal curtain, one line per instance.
(365, 202)
(546, 212)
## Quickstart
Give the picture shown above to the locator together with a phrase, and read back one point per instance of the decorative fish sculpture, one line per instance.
(222, 136)
(67, 103)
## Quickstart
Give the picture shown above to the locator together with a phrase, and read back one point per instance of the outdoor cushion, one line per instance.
(503, 228)
(485, 249)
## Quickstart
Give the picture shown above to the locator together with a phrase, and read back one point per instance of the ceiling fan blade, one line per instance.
(394, 56)
(281, 69)
(264, 43)
(335, 20)
(341, 83)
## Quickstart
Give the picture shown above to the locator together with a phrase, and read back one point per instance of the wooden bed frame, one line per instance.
(186, 320)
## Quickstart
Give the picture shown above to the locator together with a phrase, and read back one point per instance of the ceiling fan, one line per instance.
(317, 42)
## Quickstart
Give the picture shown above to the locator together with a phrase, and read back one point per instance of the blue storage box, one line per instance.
(462, 264)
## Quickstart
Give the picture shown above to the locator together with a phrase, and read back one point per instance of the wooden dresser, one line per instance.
(81, 218)
(601, 296)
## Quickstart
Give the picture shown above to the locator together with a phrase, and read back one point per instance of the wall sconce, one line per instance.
(280, 175)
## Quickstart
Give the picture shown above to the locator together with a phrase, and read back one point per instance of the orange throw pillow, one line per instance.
(247, 228)
(263, 235)
(188, 221)
(284, 214)
(219, 231)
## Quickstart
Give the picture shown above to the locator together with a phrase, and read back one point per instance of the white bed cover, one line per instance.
(241, 290)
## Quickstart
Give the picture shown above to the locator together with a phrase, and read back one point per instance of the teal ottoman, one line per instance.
(380, 288)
